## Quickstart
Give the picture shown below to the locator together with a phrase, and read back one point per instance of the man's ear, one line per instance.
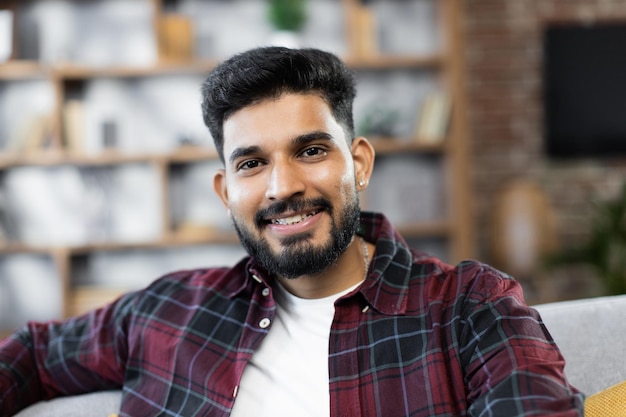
(363, 154)
(219, 186)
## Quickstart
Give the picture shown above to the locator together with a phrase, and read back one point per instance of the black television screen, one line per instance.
(584, 81)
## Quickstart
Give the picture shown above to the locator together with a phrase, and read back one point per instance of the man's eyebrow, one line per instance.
(245, 151)
(311, 137)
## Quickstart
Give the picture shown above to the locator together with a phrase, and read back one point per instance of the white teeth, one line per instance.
(293, 219)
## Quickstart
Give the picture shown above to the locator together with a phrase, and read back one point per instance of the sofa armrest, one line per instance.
(591, 334)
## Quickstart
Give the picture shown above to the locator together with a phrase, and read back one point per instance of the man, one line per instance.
(331, 315)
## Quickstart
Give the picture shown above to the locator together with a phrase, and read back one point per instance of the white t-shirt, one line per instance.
(288, 375)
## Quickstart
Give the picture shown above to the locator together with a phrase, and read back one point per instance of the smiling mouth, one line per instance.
(295, 219)
(291, 212)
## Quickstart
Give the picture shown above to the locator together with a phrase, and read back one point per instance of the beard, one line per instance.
(298, 255)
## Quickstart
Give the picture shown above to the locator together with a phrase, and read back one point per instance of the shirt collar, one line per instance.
(387, 282)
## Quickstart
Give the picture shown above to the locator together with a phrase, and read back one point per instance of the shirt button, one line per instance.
(265, 292)
(264, 323)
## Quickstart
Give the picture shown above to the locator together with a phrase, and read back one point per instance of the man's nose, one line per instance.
(285, 181)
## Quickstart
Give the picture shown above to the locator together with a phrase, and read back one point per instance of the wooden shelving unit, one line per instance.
(454, 229)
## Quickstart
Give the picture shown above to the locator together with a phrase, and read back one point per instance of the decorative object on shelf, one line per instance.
(415, 195)
(176, 38)
(98, 184)
(7, 223)
(287, 17)
(363, 32)
(74, 126)
(186, 139)
(6, 35)
(56, 42)
(379, 122)
(33, 135)
(523, 233)
(109, 134)
(434, 118)
(605, 251)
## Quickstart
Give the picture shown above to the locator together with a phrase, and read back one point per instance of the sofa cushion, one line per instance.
(98, 404)
(609, 402)
(591, 334)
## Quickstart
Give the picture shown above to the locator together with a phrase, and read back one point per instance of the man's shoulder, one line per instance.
(467, 271)
(479, 277)
(467, 279)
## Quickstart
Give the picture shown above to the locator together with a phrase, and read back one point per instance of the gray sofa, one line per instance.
(590, 332)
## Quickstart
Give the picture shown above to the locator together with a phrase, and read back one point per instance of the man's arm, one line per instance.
(513, 367)
(46, 360)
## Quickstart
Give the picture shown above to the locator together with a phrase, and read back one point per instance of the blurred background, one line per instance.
(498, 125)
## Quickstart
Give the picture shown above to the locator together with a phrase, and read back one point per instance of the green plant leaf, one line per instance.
(287, 14)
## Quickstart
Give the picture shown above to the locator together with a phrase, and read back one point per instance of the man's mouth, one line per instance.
(290, 213)
(297, 218)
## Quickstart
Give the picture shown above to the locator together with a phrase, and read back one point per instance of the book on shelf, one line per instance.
(175, 38)
(434, 118)
(8, 230)
(32, 135)
(74, 126)
(363, 31)
(3, 233)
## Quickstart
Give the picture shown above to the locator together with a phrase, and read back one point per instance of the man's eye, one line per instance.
(249, 164)
(313, 151)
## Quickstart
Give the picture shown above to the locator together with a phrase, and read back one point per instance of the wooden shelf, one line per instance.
(57, 157)
(70, 81)
(389, 146)
(82, 72)
(173, 241)
(214, 237)
(182, 155)
(437, 229)
(20, 70)
(422, 229)
(191, 154)
(386, 62)
(9, 248)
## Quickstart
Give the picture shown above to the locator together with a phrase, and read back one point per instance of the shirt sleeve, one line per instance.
(46, 360)
(513, 366)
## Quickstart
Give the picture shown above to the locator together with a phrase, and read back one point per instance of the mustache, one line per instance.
(292, 205)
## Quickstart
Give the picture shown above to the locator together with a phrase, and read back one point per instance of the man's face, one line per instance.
(289, 183)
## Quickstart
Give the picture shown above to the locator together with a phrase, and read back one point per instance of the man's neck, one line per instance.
(349, 270)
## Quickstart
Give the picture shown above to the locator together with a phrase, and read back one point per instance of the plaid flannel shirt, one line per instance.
(417, 338)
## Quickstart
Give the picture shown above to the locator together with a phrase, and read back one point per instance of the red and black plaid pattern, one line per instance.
(418, 338)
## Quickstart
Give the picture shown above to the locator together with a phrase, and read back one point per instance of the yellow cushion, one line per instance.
(610, 402)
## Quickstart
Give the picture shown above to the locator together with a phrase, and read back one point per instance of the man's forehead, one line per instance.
(284, 118)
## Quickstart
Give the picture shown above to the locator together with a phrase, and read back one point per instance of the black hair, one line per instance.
(268, 72)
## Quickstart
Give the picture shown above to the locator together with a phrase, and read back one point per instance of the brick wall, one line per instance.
(503, 59)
